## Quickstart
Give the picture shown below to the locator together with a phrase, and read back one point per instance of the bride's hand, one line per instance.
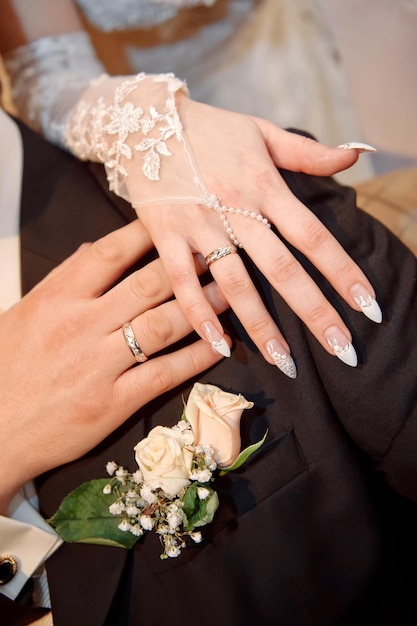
(237, 157)
(66, 374)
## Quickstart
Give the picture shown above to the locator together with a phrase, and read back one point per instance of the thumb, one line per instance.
(301, 153)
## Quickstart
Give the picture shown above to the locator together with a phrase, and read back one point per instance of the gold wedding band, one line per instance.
(130, 339)
(219, 253)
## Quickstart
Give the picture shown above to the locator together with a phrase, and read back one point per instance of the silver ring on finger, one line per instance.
(219, 253)
(130, 339)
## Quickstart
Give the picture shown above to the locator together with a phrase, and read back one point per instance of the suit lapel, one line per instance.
(64, 203)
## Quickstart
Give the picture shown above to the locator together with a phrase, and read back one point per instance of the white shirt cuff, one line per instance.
(29, 539)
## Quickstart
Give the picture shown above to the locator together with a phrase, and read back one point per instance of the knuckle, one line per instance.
(108, 250)
(93, 404)
(265, 180)
(146, 285)
(308, 144)
(193, 362)
(317, 314)
(315, 235)
(162, 376)
(345, 270)
(181, 274)
(156, 328)
(259, 327)
(284, 268)
(196, 309)
(237, 284)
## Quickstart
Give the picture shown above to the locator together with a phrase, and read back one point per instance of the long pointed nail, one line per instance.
(214, 337)
(281, 358)
(367, 303)
(341, 346)
(357, 145)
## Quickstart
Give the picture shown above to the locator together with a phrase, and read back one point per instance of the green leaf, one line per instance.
(84, 517)
(243, 456)
(198, 512)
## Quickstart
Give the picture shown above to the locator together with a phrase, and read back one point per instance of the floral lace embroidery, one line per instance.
(106, 128)
(111, 125)
(153, 147)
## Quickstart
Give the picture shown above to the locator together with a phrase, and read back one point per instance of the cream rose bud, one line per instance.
(164, 460)
(214, 416)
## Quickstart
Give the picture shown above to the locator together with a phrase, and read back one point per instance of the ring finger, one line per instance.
(157, 329)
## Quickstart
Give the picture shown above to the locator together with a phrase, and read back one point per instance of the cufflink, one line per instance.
(8, 568)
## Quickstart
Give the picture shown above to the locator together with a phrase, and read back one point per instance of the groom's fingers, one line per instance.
(157, 329)
(95, 267)
(143, 383)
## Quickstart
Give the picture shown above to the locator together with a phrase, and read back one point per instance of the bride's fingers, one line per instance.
(179, 264)
(158, 328)
(290, 279)
(243, 297)
(239, 291)
(313, 240)
(301, 228)
(303, 154)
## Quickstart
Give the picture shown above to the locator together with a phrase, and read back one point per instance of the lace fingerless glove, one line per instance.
(129, 123)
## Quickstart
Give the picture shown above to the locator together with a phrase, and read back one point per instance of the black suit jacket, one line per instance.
(319, 528)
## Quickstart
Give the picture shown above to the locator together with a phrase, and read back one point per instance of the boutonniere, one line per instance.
(171, 492)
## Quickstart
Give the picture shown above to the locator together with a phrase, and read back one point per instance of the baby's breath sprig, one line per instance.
(140, 508)
(171, 492)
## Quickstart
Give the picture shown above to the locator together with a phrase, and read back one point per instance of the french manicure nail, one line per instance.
(341, 346)
(357, 145)
(281, 358)
(367, 303)
(214, 337)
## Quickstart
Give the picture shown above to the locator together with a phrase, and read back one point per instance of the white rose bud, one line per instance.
(214, 416)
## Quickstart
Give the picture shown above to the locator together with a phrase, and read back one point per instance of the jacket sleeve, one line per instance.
(376, 402)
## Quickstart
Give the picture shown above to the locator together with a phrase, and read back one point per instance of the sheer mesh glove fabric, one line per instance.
(60, 89)
(132, 125)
